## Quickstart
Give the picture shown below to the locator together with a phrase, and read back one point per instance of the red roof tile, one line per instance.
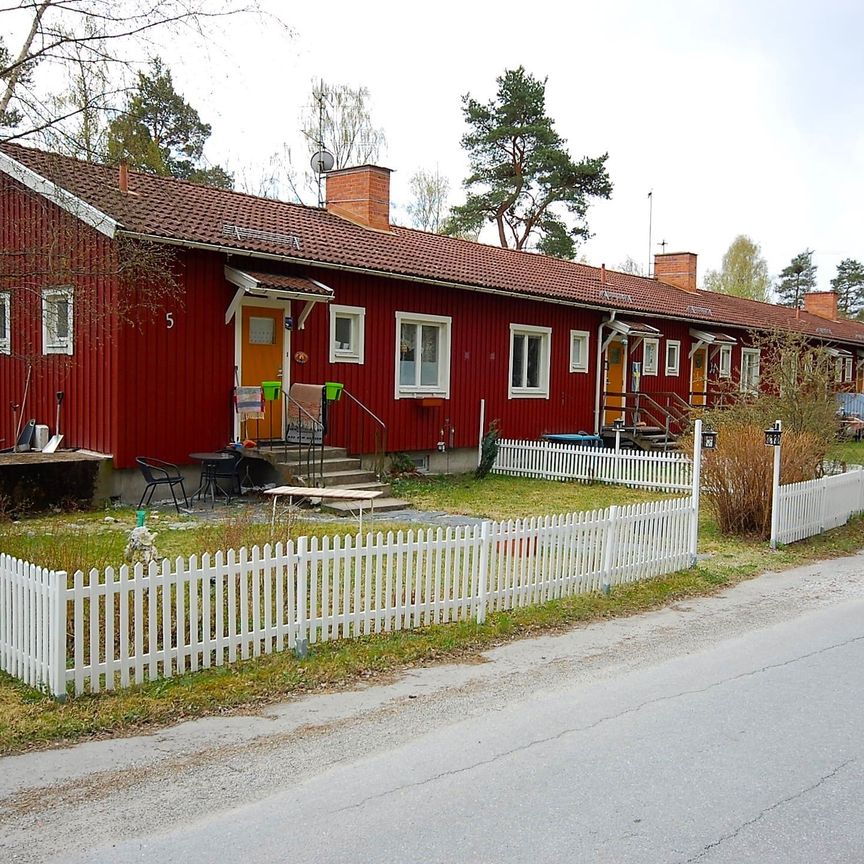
(187, 213)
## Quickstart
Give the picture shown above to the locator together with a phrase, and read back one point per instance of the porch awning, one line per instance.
(632, 328)
(275, 286)
(838, 352)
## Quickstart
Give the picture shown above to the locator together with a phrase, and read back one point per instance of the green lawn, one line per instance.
(30, 719)
(499, 497)
(847, 451)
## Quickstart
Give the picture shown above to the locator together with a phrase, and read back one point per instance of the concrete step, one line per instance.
(345, 478)
(330, 465)
(349, 508)
(292, 457)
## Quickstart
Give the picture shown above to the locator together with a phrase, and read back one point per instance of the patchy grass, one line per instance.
(851, 452)
(30, 719)
(498, 497)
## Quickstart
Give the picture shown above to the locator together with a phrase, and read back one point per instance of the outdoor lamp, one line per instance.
(772, 436)
(618, 424)
(709, 439)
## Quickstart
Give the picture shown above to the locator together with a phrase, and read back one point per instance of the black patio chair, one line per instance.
(159, 473)
(226, 470)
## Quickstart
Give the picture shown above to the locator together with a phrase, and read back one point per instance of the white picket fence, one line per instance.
(128, 626)
(814, 506)
(548, 460)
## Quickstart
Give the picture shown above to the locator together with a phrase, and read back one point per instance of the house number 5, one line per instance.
(169, 320)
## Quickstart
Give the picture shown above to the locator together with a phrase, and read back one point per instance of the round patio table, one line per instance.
(210, 463)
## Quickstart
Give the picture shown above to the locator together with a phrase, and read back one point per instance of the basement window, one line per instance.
(347, 334)
(57, 334)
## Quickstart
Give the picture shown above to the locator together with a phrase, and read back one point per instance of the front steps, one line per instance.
(342, 471)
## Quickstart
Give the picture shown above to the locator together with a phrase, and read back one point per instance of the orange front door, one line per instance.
(698, 377)
(615, 362)
(263, 349)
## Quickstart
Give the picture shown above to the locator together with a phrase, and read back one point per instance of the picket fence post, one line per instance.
(609, 547)
(57, 636)
(696, 476)
(823, 490)
(302, 639)
(483, 572)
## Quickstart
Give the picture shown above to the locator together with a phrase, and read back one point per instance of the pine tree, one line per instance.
(522, 176)
(796, 280)
(849, 285)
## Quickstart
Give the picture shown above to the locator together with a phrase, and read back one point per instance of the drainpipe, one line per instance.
(598, 420)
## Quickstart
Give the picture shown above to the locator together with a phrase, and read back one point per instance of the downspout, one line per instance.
(600, 370)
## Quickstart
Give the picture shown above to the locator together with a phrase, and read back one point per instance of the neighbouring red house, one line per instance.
(428, 334)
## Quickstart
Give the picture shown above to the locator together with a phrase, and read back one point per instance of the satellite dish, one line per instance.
(322, 161)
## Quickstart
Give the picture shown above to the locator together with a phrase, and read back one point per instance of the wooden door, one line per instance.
(616, 354)
(262, 340)
(698, 377)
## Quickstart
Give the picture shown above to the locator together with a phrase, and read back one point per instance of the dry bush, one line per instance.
(737, 476)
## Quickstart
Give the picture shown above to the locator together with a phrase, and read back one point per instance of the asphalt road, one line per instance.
(728, 729)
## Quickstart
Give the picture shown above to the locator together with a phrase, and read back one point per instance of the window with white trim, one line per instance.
(749, 370)
(673, 357)
(347, 334)
(422, 355)
(57, 332)
(5, 325)
(529, 361)
(725, 361)
(579, 342)
(847, 369)
(650, 353)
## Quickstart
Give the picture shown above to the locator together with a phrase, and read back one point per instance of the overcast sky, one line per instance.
(742, 117)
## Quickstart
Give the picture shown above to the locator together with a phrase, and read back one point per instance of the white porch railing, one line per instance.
(547, 460)
(132, 625)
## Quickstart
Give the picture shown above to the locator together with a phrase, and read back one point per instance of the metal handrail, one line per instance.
(379, 436)
(314, 472)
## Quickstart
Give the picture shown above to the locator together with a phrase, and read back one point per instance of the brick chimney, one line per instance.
(123, 176)
(822, 303)
(676, 268)
(361, 195)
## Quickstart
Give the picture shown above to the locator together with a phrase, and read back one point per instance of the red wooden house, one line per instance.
(420, 329)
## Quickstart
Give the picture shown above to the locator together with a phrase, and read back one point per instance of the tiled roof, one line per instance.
(187, 213)
(296, 284)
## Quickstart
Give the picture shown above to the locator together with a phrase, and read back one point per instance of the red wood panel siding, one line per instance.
(41, 246)
(480, 356)
(176, 383)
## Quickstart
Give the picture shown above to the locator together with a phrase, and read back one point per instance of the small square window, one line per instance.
(57, 334)
(5, 328)
(673, 357)
(650, 352)
(347, 337)
(579, 340)
(262, 331)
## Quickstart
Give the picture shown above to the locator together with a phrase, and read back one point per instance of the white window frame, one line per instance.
(847, 369)
(673, 368)
(357, 352)
(5, 332)
(748, 354)
(583, 338)
(655, 341)
(542, 390)
(725, 368)
(51, 345)
(442, 389)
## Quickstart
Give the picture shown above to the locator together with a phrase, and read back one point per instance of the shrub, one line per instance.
(737, 476)
(488, 450)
